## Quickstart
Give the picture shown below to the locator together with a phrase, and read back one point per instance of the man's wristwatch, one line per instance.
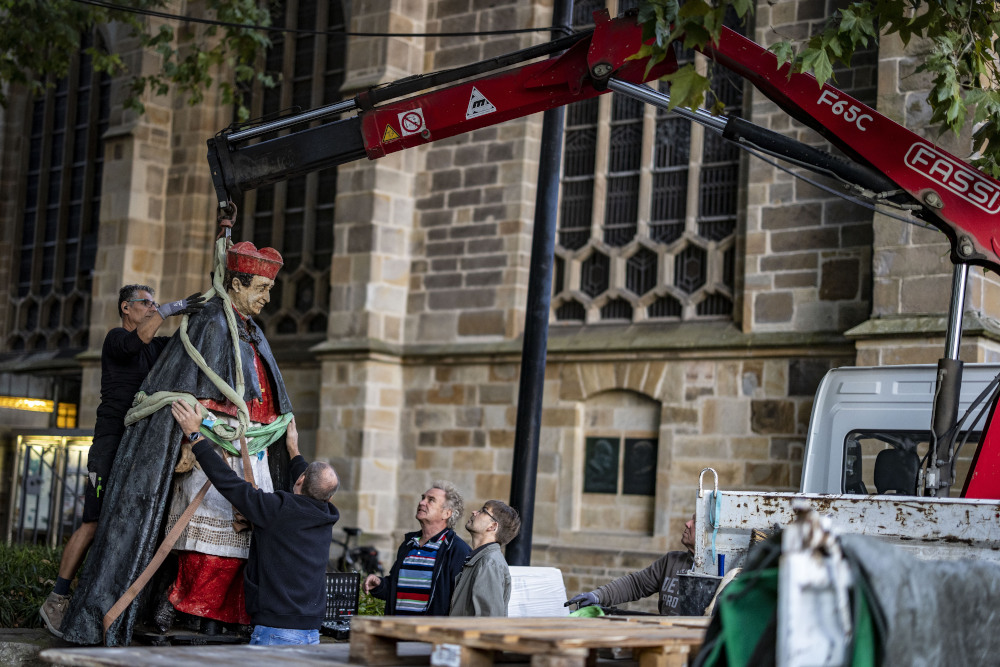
(194, 437)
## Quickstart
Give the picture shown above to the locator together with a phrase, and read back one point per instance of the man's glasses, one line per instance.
(145, 302)
(487, 513)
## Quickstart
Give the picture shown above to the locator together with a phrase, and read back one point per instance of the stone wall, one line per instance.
(130, 247)
(808, 252)
(911, 269)
(475, 196)
(744, 417)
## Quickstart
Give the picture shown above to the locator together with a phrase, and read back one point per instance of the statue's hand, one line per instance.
(185, 461)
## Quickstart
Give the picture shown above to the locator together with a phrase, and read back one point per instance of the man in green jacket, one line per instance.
(482, 588)
(660, 577)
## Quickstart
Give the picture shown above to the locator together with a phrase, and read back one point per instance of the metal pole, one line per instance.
(956, 310)
(282, 123)
(536, 322)
(644, 93)
(947, 391)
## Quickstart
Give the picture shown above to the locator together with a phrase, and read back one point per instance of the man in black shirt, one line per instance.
(128, 354)
(285, 576)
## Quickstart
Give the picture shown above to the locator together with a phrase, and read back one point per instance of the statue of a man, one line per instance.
(209, 582)
(213, 548)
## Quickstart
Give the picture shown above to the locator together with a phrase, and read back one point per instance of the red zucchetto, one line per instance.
(244, 257)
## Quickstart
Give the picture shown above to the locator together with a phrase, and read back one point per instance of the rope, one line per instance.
(235, 395)
(262, 437)
(220, 432)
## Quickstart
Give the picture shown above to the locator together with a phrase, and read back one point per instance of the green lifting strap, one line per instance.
(261, 437)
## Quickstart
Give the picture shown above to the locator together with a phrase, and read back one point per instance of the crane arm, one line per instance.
(885, 157)
(385, 124)
(958, 199)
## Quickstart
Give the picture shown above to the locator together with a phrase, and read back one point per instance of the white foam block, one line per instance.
(536, 591)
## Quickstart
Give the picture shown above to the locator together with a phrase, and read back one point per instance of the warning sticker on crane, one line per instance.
(412, 121)
(389, 134)
(478, 105)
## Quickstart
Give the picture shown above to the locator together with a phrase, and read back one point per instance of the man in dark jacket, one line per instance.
(285, 576)
(428, 560)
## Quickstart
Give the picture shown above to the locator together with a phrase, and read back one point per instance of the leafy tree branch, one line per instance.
(41, 37)
(957, 49)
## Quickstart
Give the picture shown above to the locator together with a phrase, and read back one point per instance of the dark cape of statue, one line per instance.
(130, 526)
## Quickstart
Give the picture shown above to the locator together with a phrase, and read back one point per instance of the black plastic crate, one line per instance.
(341, 603)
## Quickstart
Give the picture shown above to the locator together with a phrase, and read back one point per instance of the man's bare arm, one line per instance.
(292, 439)
(148, 328)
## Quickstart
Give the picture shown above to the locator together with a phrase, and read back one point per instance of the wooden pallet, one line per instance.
(694, 622)
(550, 642)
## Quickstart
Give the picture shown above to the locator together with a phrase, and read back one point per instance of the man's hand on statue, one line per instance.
(583, 600)
(186, 416)
(292, 439)
(372, 581)
(188, 306)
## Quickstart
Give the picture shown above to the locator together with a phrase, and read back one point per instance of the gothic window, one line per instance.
(579, 154)
(647, 221)
(296, 216)
(57, 237)
(624, 161)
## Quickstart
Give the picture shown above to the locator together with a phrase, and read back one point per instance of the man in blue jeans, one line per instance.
(285, 576)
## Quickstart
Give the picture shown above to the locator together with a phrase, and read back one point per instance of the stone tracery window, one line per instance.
(648, 210)
(57, 240)
(296, 216)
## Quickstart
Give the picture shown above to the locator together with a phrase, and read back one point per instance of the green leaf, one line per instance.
(784, 52)
(687, 87)
(696, 36)
(694, 9)
(818, 62)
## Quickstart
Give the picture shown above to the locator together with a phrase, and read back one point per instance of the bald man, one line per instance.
(285, 576)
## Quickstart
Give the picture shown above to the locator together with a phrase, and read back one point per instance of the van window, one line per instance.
(892, 462)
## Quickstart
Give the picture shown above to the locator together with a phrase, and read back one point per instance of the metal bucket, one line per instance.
(695, 592)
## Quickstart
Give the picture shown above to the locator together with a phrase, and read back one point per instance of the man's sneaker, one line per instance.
(52, 612)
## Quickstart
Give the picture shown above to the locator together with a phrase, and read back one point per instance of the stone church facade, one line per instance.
(699, 295)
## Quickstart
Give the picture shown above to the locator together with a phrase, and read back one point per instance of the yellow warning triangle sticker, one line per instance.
(389, 134)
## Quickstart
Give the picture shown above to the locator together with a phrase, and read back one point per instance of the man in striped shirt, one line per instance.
(428, 560)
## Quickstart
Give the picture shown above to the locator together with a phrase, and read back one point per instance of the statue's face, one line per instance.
(249, 301)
